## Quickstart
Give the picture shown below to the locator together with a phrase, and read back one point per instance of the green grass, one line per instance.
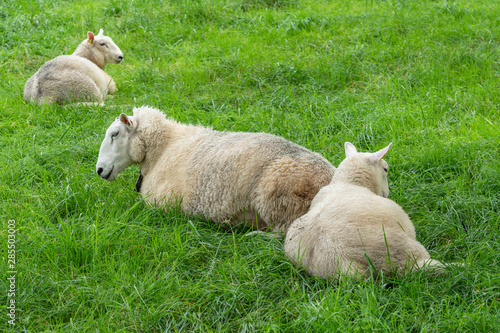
(91, 256)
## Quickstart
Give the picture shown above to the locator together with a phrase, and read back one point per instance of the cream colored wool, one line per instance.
(351, 223)
(79, 77)
(261, 179)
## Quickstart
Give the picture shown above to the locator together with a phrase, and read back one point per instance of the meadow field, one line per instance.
(91, 256)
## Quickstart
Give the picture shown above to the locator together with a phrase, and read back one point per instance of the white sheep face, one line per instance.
(114, 154)
(105, 45)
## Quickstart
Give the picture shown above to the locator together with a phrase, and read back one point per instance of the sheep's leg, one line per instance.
(267, 234)
(98, 104)
(111, 85)
(46, 100)
(353, 269)
(429, 264)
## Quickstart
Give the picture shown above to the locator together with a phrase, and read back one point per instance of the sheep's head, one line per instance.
(119, 148)
(104, 48)
(365, 169)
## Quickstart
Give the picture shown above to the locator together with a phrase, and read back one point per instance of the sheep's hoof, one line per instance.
(267, 234)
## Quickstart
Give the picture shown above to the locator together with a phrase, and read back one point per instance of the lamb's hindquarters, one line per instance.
(336, 249)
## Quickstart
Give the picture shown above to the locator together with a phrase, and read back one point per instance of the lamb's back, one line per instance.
(352, 207)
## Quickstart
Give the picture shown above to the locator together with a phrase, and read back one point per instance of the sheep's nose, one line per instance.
(120, 57)
(99, 171)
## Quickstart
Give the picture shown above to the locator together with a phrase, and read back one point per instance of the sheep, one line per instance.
(76, 78)
(353, 228)
(259, 179)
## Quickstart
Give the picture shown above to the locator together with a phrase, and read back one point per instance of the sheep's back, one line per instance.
(62, 74)
(229, 168)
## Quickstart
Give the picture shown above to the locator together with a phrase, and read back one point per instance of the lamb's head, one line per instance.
(102, 49)
(364, 169)
(120, 148)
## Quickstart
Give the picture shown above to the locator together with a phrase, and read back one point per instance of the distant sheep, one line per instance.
(79, 77)
(229, 177)
(351, 226)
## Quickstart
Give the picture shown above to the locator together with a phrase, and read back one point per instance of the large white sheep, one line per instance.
(79, 77)
(257, 178)
(352, 228)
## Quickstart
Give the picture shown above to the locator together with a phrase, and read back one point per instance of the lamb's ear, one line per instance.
(349, 149)
(374, 157)
(91, 36)
(100, 32)
(126, 120)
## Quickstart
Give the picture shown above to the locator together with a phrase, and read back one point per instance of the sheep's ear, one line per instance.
(126, 120)
(91, 36)
(374, 157)
(100, 32)
(349, 149)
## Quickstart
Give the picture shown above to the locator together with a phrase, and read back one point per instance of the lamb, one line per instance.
(75, 78)
(259, 179)
(352, 227)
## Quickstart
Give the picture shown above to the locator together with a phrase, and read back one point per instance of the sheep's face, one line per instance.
(109, 51)
(114, 155)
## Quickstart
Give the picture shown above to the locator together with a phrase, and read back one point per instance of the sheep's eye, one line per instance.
(103, 44)
(386, 169)
(114, 135)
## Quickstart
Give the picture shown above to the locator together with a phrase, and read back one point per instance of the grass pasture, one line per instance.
(92, 257)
